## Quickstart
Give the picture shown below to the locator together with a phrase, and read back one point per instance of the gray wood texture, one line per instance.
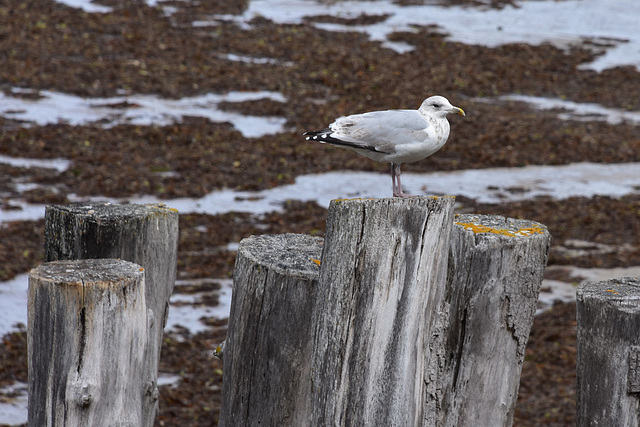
(608, 315)
(381, 284)
(87, 330)
(143, 234)
(413, 318)
(495, 272)
(268, 348)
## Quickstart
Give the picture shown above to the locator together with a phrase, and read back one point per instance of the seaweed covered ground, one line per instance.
(142, 49)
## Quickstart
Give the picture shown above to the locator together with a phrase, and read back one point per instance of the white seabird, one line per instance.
(394, 136)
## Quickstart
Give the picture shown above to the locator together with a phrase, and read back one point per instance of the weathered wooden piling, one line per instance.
(608, 360)
(381, 284)
(268, 348)
(87, 331)
(496, 269)
(143, 234)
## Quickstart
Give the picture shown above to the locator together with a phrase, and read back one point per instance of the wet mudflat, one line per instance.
(157, 50)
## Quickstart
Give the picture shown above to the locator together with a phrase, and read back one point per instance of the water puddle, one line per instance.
(14, 404)
(59, 165)
(572, 110)
(144, 110)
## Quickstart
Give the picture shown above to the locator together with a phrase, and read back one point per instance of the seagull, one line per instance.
(394, 136)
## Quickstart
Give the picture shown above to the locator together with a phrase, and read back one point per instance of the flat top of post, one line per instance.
(105, 210)
(615, 290)
(87, 270)
(297, 254)
(500, 226)
(408, 201)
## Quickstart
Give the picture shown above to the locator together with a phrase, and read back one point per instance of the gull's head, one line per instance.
(439, 106)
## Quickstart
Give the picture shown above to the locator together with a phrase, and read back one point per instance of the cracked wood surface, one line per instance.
(381, 282)
(373, 332)
(608, 383)
(144, 234)
(87, 331)
(495, 273)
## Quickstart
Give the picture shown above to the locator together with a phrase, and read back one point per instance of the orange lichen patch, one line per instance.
(317, 261)
(522, 232)
(528, 231)
(477, 228)
(219, 351)
(612, 291)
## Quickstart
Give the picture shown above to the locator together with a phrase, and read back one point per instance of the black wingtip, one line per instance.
(314, 133)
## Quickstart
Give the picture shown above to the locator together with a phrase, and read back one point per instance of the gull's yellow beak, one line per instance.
(460, 111)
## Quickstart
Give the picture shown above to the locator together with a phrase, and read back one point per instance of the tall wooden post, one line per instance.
(381, 285)
(496, 269)
(87, 331)
(143, 234)
(608, 363)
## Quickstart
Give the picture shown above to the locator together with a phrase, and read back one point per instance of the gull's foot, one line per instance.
(401, 194)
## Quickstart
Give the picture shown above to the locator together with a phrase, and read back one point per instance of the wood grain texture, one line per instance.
(268, 348)
(143, 234)
(378, 334)
(87, 330)
(608, 315)
(495, 272)
(381, 283)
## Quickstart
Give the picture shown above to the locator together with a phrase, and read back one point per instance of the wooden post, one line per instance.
(87, 329)
(381, 285)
(495, 273)
(608, 363)
(143, 234)
(268, 347)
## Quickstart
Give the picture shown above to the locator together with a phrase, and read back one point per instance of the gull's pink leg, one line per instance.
(394, 184)
(397, 184)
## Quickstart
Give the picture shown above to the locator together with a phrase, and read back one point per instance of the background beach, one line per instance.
(201, 105)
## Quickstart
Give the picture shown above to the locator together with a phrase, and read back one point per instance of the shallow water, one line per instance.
(144, 110)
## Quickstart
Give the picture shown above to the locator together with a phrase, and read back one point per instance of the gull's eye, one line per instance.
(436, 105)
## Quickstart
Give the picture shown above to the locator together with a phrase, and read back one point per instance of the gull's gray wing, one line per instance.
(379, 131)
